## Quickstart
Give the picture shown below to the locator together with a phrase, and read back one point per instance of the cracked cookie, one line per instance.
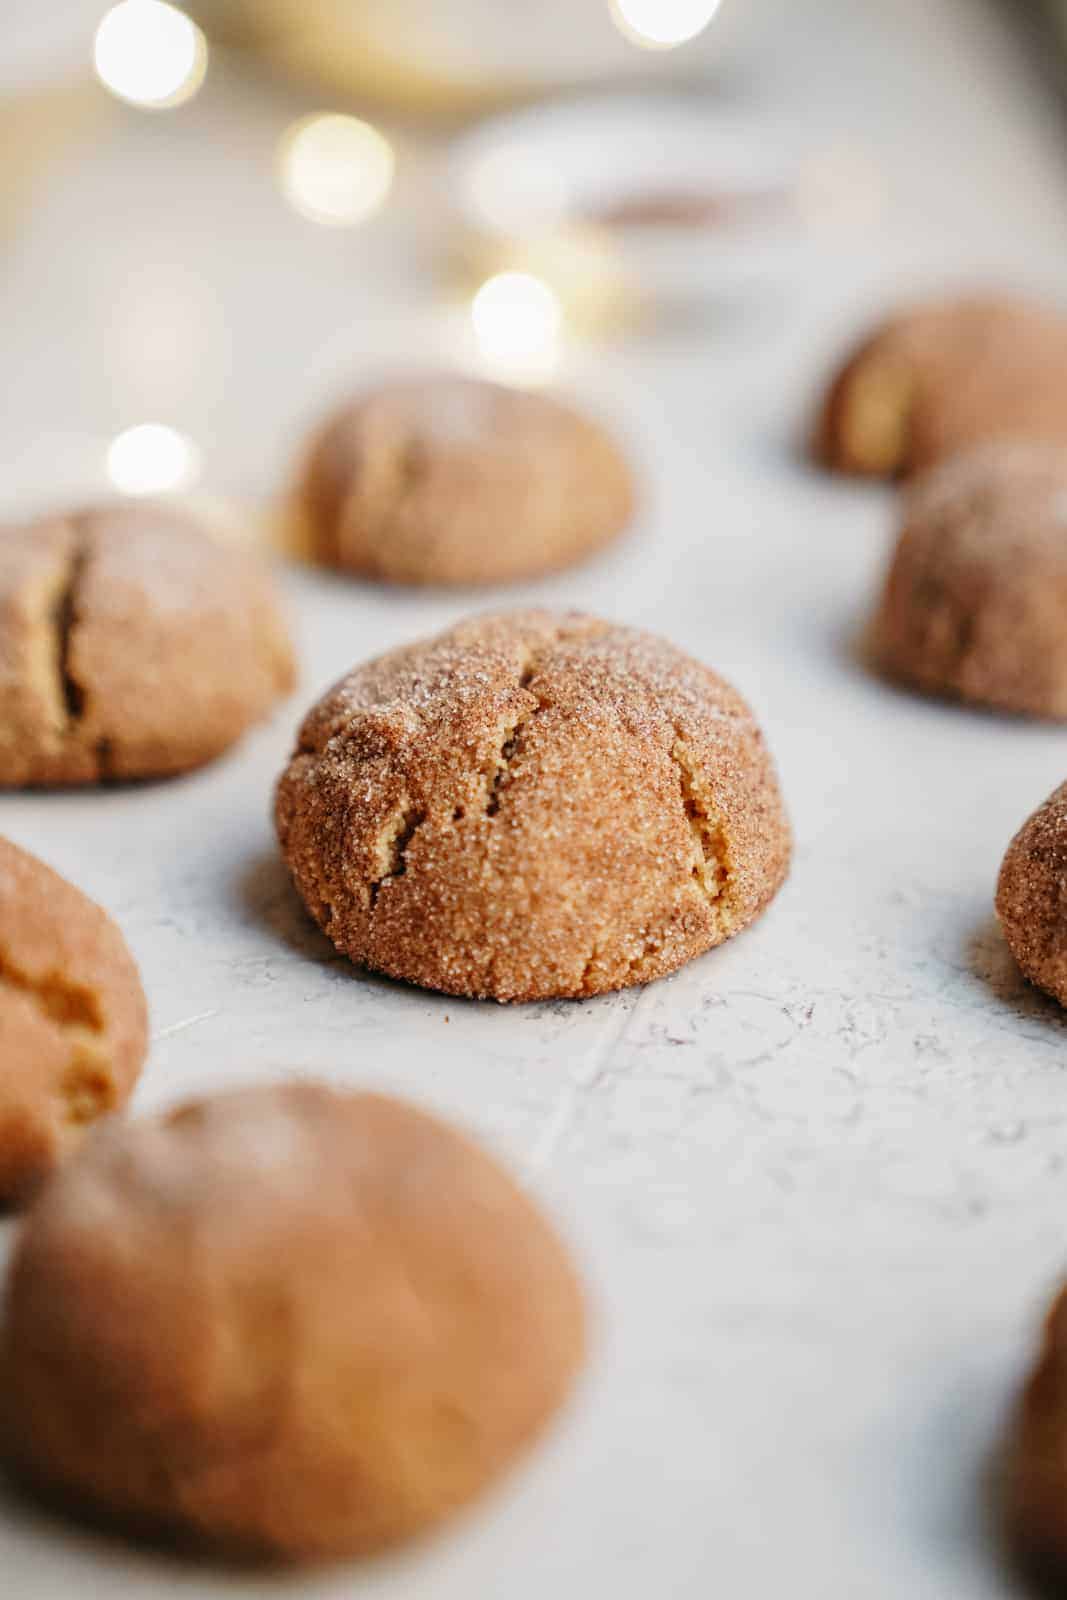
(945, 377)
(132, 645)
(1032, 899)
(451, 480)
(73, 1020)
(532, 806)
(307, 1324)
(975, 604)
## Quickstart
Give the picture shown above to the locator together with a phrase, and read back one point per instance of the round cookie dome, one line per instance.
(452, 480)
(307, 1324)
(1032, 896)
(532, 806)
(944, 377)
(975, 604)
(132, 645)
(73, 1019)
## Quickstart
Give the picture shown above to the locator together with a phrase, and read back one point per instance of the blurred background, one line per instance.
(216, 215)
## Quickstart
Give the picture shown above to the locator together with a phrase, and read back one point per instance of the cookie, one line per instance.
(942, 378)
(73, 1020)
(532, 806)
(449, 480)
(1032, 896)
(307, 1324)
(132, 645)
(1035, 1468)
(975, 605)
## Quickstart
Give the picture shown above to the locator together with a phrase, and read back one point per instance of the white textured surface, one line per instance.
(818, 1178)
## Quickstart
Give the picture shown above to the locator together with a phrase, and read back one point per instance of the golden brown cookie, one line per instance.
(975, 605)
(1036, 1462)
(1032, 896)
(132, 645)
(531, 806)
(73, 1020)
(944, 377)
(286, 1322)
(450, 480)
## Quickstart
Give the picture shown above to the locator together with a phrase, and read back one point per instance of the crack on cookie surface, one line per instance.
(72, 693)
(71, 1005)
(393, 846)
(711, 872)
(501, 772)
(88, 1089)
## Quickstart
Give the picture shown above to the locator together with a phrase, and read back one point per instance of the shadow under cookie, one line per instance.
(992, 963)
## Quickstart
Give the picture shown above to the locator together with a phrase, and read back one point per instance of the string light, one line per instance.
(149, 53)
(152, 459)
(335, 169)
(662, 24)
(517, 321)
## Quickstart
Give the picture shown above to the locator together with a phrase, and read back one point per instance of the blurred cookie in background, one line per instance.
(975, 603)
(943, 377)
(133, 644)
(454, 480)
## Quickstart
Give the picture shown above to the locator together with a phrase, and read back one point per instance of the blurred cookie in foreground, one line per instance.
(453, 480)
(975, 603)
(943, 377)
(132, 645)
(73, 1020)
(308, 1324)
(1035, 1469)
(1032, 896)
(531, 806)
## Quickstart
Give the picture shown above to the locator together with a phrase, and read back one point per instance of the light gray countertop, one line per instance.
(818, 1178)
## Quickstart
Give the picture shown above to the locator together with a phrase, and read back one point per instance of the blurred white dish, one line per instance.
(691, 199)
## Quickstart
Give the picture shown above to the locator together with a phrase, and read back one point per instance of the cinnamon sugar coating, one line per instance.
(132, 645)
(1032, 896)
(286, 1323)
(975, 604)
(73, 1020)
(532, 805)
(451, 480)
(943, 377)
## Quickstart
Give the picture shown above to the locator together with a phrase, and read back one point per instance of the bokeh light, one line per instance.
(662, 24)
(152, 459)
(518, 323)
(335, 169)
(149, 53)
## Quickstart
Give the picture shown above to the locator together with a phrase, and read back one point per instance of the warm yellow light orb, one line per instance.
(335, 169)
(152, 459)
(662, 24)
(149, 53)
(517, 322)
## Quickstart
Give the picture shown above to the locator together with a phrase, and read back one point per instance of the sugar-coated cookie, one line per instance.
(944, 377)
(453, 480)
(132, 645)
(73, 1020)
(532, 805)
(286, 1322)
(1032, 896)
(975, 604)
